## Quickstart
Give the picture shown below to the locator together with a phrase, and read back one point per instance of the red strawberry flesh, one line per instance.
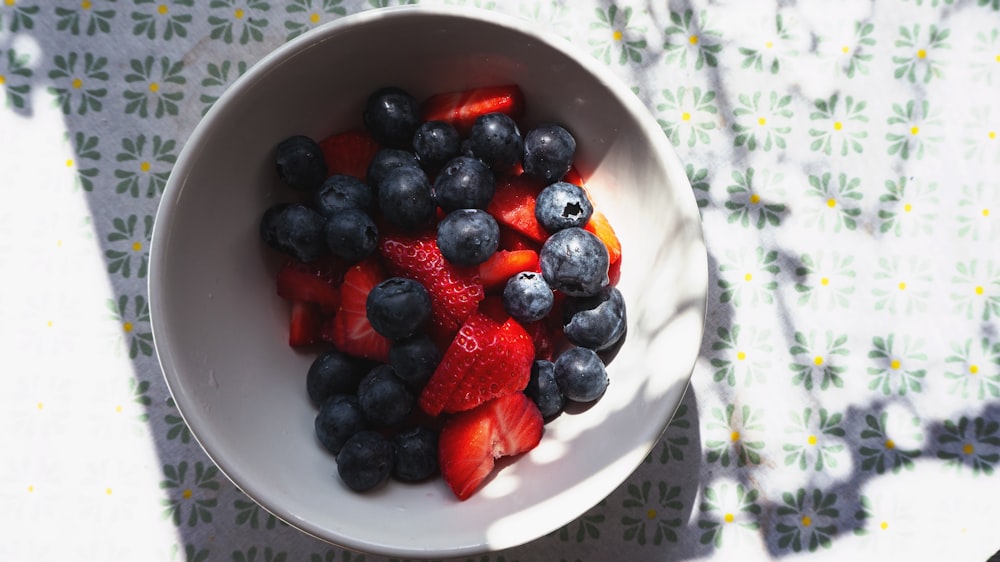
(513, 205)
(349, 153)
(462, 108)
(350, 330)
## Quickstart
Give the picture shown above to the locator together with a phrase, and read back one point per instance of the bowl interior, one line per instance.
(221, 332)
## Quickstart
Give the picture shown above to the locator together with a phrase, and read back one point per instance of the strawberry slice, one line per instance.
(462, 108)
(503, 264)
(350, 330)
(315, 282)
(511, 239)
(489, 357)
(599, 226)
(349, 153)
(304, 324)
(513, 205)
(471, 441)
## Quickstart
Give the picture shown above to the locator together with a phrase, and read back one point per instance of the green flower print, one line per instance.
(220, 76)
(674, 440)
(769, 55)
(807, 520)
(749, 278)
(817, 441)
(84, 17)
(139, 394)
(731, 432)
(699, 184)
(160, 87)
(387, 3)
(841, 125)
(659, 513)
(816, 365)
(148, 165)
(128, 246)
(850, 54)
(974, 370)
(249, 513)
(912, 130)
(79, 84)
(902, 285)
(191, 554)
(826, 279)
(133, 317)
(176, 428)
(345, 556)
(995, 4)
(15, 16)
(974, 443)
(308, 14)
(739, 354)
(976, 292)
(976, 207)
(908, 207)
(554, 16)
(726, 507)
(266, 555)
(896, 367)
(484, 4)
(687, 113)
(880, 452)
(240, 20)
(588, 527)
(85, 148)
(14, 78)
(614, 35)
(981, 141)
(837, 202)
(690, 37)
(986, 57)
(919, 58)
(747, 203)
(762, 124)
(194, 493)
(161, 16)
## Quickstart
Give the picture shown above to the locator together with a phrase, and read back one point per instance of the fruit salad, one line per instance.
(454, 278)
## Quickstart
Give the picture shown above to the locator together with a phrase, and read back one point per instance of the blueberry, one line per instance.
(596, 322)
(386, 160)
(392, 115)
(340, 192)
(351, 234)
(575, 262)
(300, 163)
(404, 197)
(464, 183)
(414, 359)
(436, 142)
(543, 390)
(495, 140)
(365, 461)
(548, 152)
(295, 230)
(416, 452)
(562, 205)
(398, 307)
(580, 374)
(468, 236)
(339, 418)
(527, 297)
(384, 398)
(332, 373)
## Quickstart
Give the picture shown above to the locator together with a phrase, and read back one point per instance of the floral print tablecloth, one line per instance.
(845, 158)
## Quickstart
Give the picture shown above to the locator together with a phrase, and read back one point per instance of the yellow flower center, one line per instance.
(845, 49)
(997, 58)
(685, 116)
(907, 207)
(86, 5)
(107, 491)
(69, 162)
(824, 281)
(734, 436)
(187, 493)
(154, 87)
(818, 360)
(314, 18)
(914, 130)
(986, 212)
(895, 364)
(77, 83)
(922, 53)
(741, 356)
(806, 521)
(831, 202)
(980, 290)
(617, 35)
(163, 9)
(694, 41)
(762, 121)
(837, 125)
(651, 514)
(31, 489)
(754, 198)
(884, 525)
(3, 79)
(144, 166)
(890, 444)
(748, 277)
(128, 327)
(238, 14)
(136, 246)
(973, 369)
(39, 405)
(8, 2)
(992, 135)
(902, 285)
(968, 449)
(769, 44)
(729, 518)
(811, 440)
(118, 409)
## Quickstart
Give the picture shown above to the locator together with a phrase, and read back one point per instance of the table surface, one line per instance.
(846, 162)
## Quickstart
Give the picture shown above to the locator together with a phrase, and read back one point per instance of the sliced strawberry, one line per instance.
(513, 205)
(574, 177)
(542, 338)
(511, 239)
(304, 324)
(350, 330)
(471, 441)
(349, 153)
(315, 282)
(489, 357)
(600, 227)
(503, 264)
(462, 108)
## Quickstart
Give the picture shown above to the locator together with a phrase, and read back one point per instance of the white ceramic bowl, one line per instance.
(221, 332)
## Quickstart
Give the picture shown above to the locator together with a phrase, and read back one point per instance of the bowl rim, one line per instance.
(164, 347)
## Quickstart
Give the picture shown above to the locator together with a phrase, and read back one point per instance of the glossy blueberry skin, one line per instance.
(416, 452)
(405, 199)
(386, 160)
(435, 143)
(548, 152)
(562, 205)
(333, 372)
(340, 192)
(295, 230)
(580, 374)
(384, 399)
(351, 234)
(365, 461)
(338, 419)
(543, 389)
(392, 115)
(468, 236)
(527, 297)
(398, 307)
(300, 163)
(575, 262)
(414, 359)
(595, 322)
(496, 140)
(464, 183)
